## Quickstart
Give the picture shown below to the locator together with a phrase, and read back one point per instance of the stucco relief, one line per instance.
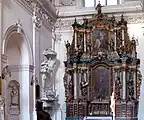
(40, 11)
(2, 110)
(14, 97)
(130, 20)
(66, 23)
(68, 2)
(19, 26)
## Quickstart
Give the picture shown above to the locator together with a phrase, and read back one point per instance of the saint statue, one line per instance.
(98, 7)
(47, 69)
(14, 96)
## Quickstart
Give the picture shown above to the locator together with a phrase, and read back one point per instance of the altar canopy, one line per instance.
(101, 61)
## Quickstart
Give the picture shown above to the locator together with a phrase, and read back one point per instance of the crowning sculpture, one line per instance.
(102, 67)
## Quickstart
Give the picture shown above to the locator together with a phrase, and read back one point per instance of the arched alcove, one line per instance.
(14, 50)
(19, 61)
(19, 43)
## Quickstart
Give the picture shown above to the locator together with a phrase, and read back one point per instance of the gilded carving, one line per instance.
(139, 80)
(102, 56)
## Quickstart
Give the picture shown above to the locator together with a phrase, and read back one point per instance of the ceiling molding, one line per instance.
(44, 9)
(128, 7)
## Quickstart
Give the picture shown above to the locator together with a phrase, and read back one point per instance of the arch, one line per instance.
(13, 30)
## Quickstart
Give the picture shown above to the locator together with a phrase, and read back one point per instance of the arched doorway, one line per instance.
(19, 61)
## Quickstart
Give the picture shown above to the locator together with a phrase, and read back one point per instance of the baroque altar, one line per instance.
(102, 74)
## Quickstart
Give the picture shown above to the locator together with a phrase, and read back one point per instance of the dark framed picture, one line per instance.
(100, 80)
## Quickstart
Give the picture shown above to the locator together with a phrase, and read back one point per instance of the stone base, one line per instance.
(14, 110)
(34, 115)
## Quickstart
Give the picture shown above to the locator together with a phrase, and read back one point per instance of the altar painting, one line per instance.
(100, 39)
(100, 78)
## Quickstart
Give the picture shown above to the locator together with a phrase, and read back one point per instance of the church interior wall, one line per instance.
(23, 74)
(18, 65)
(11, 15)
(17, 52)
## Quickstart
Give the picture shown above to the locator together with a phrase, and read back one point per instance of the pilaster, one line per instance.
(1, 17)
(37, 21)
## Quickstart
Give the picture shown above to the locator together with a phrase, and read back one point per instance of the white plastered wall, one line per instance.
(137, 30)
(12, 11)
(18, 55)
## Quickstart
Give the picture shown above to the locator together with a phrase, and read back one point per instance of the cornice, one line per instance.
(128, 7)
(44, 10)
(16, 68)
(131, 18)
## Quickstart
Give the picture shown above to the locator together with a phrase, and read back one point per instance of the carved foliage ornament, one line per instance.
(67, 2)
(131, 20)
(139, 80)
(104, 33)
(40, 11)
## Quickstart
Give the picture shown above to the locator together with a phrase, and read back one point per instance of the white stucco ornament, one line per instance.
(19, 26)
(2, 108)
(14, 97)
(68, 2)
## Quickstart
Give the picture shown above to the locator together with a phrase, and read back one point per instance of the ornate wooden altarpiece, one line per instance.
(101, 60)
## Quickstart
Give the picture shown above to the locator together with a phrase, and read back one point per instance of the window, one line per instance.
(91, 3)
(112, 2)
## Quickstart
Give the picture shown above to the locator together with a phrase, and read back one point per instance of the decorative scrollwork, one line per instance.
(6, 72)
